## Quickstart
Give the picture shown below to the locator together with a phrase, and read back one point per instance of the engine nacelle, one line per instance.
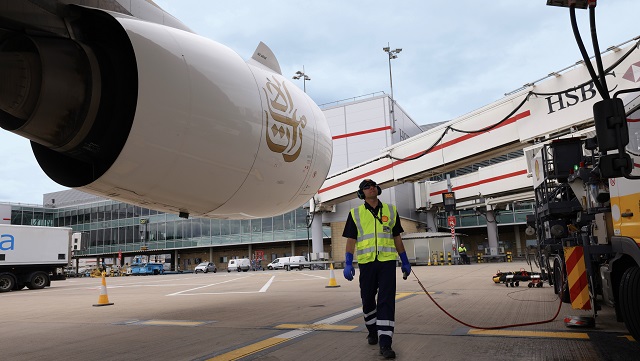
(163, 118)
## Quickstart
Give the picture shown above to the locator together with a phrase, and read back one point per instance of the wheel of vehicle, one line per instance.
(270, 268)
(215, 270)
(545, 270)
(7, 282)
(38, 280)
(629, 298)
(228, 270)
(238, 269)
(560, 287)
(206, 270)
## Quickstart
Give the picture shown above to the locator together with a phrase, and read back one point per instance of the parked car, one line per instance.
(239, 264)
(205, 267)
(288, 263)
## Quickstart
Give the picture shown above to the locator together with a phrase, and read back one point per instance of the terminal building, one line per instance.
(361, 127)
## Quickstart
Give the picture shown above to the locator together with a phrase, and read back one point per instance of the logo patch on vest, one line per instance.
(385, 219)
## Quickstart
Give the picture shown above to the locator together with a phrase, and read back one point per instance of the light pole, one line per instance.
(393, 54)
(305, 77)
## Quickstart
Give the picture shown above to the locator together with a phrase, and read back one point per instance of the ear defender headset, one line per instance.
(365, 182)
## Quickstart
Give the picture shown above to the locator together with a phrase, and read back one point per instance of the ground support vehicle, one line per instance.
(239, 264)
(588, 229)
(513, 279)
(32, 256)
(146, 269)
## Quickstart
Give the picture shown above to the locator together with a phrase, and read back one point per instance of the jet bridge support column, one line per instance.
(516, 231)
(492, 231)
(316, 233)
(432, 225)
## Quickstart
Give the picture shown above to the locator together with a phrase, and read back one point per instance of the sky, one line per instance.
(457, 56)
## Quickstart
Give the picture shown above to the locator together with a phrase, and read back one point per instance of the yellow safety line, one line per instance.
(402, 295)
(248, 350)
(273, 341)
(572, 335)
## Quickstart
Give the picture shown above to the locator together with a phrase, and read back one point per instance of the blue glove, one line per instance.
(349, 271)
(406, 266)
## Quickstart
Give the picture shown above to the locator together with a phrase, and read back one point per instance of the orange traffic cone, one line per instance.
(103, 300)
(332, 278)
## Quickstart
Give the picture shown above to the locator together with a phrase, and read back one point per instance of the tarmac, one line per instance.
(293, 315)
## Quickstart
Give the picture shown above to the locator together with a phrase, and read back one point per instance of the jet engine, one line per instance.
(163, 118)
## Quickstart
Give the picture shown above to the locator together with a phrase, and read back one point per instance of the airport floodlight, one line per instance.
(393, 54)
(301, 74)
(579, 4)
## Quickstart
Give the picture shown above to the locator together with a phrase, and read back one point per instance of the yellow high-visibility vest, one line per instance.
(375, 236)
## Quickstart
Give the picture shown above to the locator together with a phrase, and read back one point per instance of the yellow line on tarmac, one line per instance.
(402, 295)
(315, 326)
(248, 350)
(299, 330)
(571, 335)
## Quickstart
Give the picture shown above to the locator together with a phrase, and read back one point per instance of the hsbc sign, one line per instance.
(574, 96)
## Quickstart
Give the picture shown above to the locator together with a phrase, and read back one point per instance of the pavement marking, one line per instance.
(314, 327)
(266, 285)
(248, 350)
(299, 330)
(628, 337)
(209, 285)
(172, 323)
(510, 333)
(164, 323)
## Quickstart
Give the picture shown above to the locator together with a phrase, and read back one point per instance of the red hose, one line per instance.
(492, 327)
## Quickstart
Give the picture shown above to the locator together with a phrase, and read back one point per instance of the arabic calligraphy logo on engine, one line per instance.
(284, 128)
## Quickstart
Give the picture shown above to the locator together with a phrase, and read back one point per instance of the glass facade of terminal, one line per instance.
(112, 226)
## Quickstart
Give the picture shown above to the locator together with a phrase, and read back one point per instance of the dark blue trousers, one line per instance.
(379, 278)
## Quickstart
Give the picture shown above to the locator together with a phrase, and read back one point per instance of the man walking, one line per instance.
(373, 234)
(462, 251)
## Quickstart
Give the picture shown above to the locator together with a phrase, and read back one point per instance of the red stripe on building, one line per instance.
(473, 135)
(446, 144)
(488, 180)
(361, 132)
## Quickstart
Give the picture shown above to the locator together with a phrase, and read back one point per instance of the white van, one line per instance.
(288, 263)
(240, 264)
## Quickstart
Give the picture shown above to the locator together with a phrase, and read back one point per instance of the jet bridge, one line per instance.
(558, 105)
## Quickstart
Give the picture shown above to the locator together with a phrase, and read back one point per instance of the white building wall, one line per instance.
(360, 130)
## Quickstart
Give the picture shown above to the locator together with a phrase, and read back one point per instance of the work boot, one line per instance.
(372, 338)
(387, 352)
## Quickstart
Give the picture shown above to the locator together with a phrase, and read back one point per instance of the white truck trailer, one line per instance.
(32, 256)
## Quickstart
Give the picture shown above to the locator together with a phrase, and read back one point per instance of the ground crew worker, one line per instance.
(373, 234)
(462, 251)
